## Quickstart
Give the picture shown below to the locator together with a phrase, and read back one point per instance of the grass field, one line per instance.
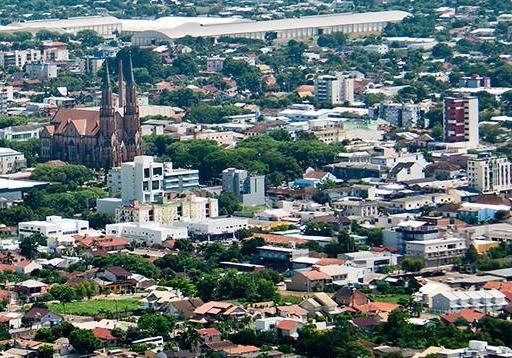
(390, 298)
(94, 307)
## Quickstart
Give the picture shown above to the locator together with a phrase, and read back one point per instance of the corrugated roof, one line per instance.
(194, 29)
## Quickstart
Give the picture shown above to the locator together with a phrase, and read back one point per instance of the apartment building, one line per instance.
(18, 58)
(352, 206)
(41, 69)
(403, 115)
(147, 181)
(461, 116)
(249, 189)
(189, 207)
(483, 300)
(490, 175)
(138, 213)
(436, 252)
(334, 89)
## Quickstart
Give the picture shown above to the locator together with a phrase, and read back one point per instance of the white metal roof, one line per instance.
(194, 29)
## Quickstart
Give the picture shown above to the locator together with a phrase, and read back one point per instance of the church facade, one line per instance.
(97, 139)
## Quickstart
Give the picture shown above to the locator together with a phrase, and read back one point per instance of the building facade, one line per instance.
(334, 89)
(96, 139)
(11, 161)
(460, 122)
(490, 175)
(250, 190)
(53, 226)
(147, 181)
(18, 58)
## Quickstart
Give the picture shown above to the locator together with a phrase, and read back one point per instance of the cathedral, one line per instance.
(97, 139)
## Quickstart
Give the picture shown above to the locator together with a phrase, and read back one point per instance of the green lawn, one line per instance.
(94, 307)
(390, 298)
(253, 209)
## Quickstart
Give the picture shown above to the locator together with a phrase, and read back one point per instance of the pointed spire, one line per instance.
(121, 84)
(106, 77)
(130, 79)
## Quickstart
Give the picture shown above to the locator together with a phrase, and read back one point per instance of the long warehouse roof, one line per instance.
(194, 29)
(71, 22)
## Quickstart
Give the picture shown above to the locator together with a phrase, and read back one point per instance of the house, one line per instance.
(469, 315)
(320, 304)
(366, 323)
(350, 297)
(209, 335)
(406, 171)
(116, 274)
(309, 280)
(107, 243)
(157, 299)
(182, 308)
(31, 288)
(374, 308)
(293, 312)
(214, 310)
(25, 267)
(313, 178)
(43, 316)
(104, 335)
(240, 351)
(11, 319)
(288, 328)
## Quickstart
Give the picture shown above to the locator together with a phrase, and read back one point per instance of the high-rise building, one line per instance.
(490, 175)
(250, 190)
(18, 58)
(461, 120)
(148, 181)
(404, 115)
(334, 89)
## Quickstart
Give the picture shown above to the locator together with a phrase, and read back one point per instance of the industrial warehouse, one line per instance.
(147, 32)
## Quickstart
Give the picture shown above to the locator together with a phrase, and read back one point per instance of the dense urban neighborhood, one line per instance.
(243, 178)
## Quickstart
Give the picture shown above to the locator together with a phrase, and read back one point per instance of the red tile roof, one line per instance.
(208, 332)
(103, 334)
(287, 324)
(467, 314)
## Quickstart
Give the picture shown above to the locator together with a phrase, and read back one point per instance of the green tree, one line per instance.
(89, 38)
(45, 351)
(228, 203)
(45, 335)
(185, 64)
(153, 324)
(29, 245)
(442, 50)
(84, 341)
(412, 264)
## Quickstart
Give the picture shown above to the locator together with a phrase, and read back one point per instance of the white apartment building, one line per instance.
(18, 58)
(490, 175)
(390, 160)
(334, 89)
(138, 212)
(151, 233)
(55, 51)
(214, 227)
(436, 252)
(304, 112)
(11, 161)
(146, 181)
(351, 206)
(53, 226)
(371, 261)
(483, 300)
